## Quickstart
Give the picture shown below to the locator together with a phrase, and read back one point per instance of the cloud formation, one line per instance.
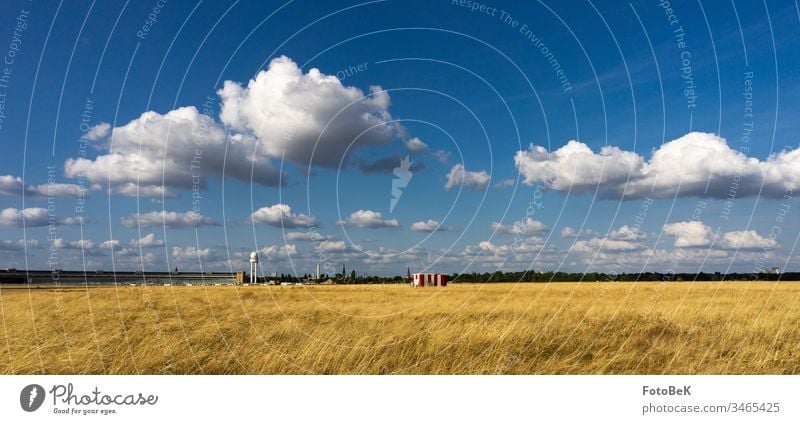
(18, 245)
(13, 186)
(306, 236)
(169, 219)
(623, 239)
(415, 145)
(149, 240)
(369, 219)
(473, 180)
(140, 190)
(331, 246)
(428, 226)
(283, 113)
(32, 217)
(181, 148)
(282, 216)
(697, 164)
(526, 226)
(690, 234)
(272, 253)
(306, 117)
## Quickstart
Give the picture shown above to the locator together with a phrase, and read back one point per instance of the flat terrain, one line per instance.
(563, 328)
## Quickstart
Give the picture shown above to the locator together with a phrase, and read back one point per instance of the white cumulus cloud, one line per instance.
(149, 240)
(140, 190)
(13, 186)
(369, 219)
(271, 253)
(747, 239)
(473, 180)
(332, 246)
(428, 226)
(177, 149)
(306, 236)
(169, 219)
(32, 217)
(298, 114)
(283, 113)
(281, 215)
(697, 234)
(697, 164)
(690, 233)
(415, 145)
(98, 132)
(526, 226)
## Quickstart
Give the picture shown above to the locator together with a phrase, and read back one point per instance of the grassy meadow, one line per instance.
(563, 328)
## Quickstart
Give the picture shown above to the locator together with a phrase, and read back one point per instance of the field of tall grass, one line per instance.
(564, 328)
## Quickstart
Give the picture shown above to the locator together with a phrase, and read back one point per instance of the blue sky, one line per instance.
(298, 114)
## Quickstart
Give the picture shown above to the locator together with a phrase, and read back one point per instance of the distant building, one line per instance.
(776, 270)
(429, 280)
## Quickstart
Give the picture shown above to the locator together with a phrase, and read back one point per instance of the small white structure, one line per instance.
(429, 280)
(317, 274)
(253, 267)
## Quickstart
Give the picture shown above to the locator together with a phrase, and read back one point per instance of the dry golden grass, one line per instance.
(565, 328)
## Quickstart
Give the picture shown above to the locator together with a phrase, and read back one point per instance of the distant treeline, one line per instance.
(541, 277)
(531, 276)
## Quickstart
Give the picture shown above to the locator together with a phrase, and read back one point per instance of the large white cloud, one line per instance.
(690, 233)
(283, 113)
(168, 219)
(181, 148)
(281, 215)
(369, 219)
(473, 180)
(697, 164)
(293, 113)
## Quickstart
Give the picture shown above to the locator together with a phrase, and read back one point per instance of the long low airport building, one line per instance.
(100, 277)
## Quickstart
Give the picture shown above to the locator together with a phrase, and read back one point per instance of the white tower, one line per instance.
(317, 275)
(253, 267)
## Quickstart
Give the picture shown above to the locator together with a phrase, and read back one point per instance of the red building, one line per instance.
(429, 280)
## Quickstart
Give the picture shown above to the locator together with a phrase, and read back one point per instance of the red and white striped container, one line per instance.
(429, 280)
